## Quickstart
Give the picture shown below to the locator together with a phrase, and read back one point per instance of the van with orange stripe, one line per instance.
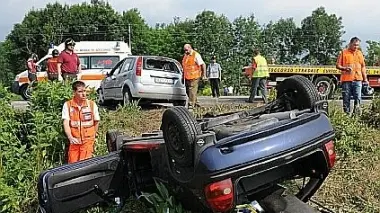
(97, 59)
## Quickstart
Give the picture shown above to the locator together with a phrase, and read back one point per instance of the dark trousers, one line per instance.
(258, 84)
(215, 82)
(354, 89)
(32, 76)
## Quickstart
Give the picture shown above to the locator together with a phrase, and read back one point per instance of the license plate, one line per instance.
(164, 80)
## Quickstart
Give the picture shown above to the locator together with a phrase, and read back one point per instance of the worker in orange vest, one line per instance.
(80, 121)
(353, 74)
(194, 68)
(52, 69)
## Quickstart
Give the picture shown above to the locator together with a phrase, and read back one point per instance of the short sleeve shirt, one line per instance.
(69, 62)
(198, 59)
(353, 59)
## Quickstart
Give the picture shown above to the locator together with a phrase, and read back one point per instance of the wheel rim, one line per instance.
(126, 98)
(323, 88)
(176, 143)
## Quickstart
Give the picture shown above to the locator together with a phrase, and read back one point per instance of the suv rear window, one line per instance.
(161, 65)
(103, 62)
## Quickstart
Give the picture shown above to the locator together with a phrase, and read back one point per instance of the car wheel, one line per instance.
(101, 99)
(127, 97)
(26, 92)
(111, 140)
(297, 92)
(325, 86)
(180, 130)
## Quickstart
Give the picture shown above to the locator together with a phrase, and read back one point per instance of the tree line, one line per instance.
(316, 41)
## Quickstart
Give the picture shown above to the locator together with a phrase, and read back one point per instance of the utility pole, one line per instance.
(129, 37)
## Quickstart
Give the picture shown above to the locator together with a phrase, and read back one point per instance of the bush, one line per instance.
(30, 142)
(353, 136)
(371, 114)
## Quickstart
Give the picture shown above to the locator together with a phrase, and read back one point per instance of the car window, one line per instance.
(161, 65)
(117, 68)
(128, 64)
(84, 62)
(104, 62)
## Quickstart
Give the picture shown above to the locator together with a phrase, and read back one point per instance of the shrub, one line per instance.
(352, 135)
(371, 114)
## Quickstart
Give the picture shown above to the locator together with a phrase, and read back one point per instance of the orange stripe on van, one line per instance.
(92, 77)
(26, 79)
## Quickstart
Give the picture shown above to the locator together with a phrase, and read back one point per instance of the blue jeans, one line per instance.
(354, 89)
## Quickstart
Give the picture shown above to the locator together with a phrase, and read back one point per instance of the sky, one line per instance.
(360, 18)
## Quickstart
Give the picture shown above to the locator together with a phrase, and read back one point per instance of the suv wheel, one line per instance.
(101, 99)
(297, 92)
(180, 130)
(127, 97)
(111, 140)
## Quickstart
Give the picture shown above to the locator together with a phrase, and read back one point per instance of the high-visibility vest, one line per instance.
(354, 60)
(190, 68)
(82, 121)
(262, 67)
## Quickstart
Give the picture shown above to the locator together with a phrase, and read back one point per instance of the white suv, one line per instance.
(145, 78)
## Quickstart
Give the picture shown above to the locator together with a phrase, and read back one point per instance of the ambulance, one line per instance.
(97, 58)
(325, 78)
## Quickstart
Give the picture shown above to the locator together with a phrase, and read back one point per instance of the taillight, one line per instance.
(330, 149)
(139, 66)
(139, 146)
(220, 195)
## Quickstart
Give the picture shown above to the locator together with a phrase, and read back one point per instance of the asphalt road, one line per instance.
(204, 101)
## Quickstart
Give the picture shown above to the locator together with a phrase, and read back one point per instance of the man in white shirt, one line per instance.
(80, 121)
(214, 74)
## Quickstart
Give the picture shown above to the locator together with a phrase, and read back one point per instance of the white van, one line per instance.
(97, 59)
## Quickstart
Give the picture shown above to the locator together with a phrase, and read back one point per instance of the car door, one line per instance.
(72, 187)
(109, 81)
(123, 75)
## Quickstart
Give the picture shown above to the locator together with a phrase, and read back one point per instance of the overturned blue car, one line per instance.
(274, 157)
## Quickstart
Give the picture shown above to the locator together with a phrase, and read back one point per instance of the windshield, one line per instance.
(104, 62)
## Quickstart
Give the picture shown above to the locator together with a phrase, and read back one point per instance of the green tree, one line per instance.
(373, 53)
(320, 37)
(279, 41)
(5, 73)
(139, 29)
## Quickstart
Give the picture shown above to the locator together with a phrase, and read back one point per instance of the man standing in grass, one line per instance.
(80, 121)
(214, 74)
(194, 69)
(259, 76)
(353, 74)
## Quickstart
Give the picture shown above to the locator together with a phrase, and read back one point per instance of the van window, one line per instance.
(83, 62)
(160, 64)
(104, 62)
